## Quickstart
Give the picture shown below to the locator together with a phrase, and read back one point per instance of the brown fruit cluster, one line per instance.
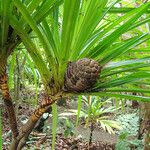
(81, 75)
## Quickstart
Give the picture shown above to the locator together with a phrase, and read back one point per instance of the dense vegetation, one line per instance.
(96, 51)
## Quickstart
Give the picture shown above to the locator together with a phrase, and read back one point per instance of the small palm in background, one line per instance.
(96, 113)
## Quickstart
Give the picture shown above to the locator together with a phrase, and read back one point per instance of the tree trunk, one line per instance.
(27, 128)
(17, 74)
(19, 138)
(145, 124)
(8, 104)
(147, 139)
(91, 133)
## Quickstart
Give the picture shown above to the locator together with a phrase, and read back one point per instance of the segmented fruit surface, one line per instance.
(81, 75)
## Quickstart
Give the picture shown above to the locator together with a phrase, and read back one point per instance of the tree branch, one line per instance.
(27, 128)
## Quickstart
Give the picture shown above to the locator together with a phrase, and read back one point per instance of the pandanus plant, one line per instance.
(79, 51)
(9, 40)
(95, 114)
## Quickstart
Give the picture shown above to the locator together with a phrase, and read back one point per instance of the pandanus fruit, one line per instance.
(81, 75)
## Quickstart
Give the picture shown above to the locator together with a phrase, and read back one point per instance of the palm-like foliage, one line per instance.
(97, 113)
(8, 41)
(83, 31)
(70, 30)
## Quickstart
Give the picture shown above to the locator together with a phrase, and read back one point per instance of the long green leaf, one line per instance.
(125, 79)
(124, 63)
(127, 69)
(106, 42)
(79, 109)
(5, 8)
(123, 10)
(121, 96)
(71, 12)
(93, 11)
(46, 8)
(34, 27)
(54, 124)
(123, 48)
(128, 90)
(40, 64)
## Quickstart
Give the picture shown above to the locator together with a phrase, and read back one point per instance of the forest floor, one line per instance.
(41, 140)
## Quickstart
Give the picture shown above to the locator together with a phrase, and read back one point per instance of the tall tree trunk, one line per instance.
(145, 124)
(9, 106)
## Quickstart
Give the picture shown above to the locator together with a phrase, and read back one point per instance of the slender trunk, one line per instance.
(1, 128)
(8, 104)
(147, 139)
(145, 124)
(22, 142)
(17, 84)
(27, 128)
(91, 133)
(18, 68)
(14, 144)
(19, 138)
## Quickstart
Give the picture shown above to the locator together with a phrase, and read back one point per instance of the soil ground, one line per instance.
(41, 140)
